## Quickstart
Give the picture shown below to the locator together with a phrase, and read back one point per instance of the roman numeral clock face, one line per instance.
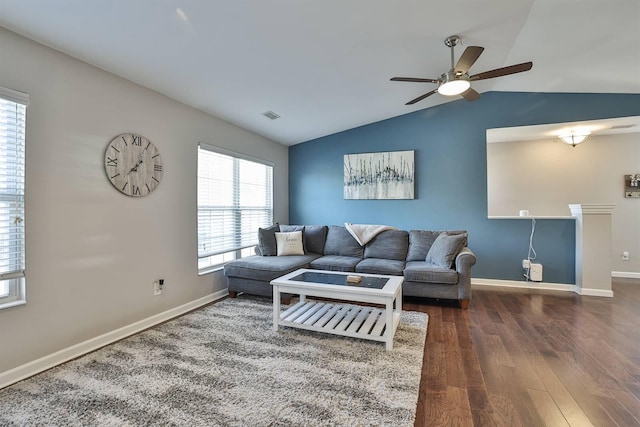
(133, 164)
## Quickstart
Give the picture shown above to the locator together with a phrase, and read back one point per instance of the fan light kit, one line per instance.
(575, 138)
(457, 81)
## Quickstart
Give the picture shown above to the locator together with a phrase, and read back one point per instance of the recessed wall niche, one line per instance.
(528, 169)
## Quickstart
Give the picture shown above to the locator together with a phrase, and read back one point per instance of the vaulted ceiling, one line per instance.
(324, 66)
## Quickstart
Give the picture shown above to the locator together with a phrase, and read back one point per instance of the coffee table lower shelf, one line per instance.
(340, 319)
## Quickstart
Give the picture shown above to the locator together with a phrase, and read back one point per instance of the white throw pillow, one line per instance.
(289, 243)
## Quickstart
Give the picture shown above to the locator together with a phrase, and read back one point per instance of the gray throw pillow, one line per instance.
(267, 240)
(445, 248)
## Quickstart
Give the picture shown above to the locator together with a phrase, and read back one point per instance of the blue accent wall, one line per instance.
(451, 176)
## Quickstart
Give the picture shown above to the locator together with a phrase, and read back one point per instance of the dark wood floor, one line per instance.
(520, 357)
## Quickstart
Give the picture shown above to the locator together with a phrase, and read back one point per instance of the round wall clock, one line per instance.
(133, 164)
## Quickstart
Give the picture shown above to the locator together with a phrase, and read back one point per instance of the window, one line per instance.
(235, 198)
(13, 109)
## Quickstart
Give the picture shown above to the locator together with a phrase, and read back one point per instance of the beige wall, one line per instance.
(544, 177)
(93, 253)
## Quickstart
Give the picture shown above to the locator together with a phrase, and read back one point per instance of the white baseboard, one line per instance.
(36, 366)
(543, 285)
(625, 274)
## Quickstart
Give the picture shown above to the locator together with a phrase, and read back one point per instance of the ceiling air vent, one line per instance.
(622, 127)
(271, 115)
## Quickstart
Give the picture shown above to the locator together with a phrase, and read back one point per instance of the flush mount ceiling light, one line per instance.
(574, 138)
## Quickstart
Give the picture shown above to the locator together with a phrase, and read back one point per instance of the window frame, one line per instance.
(16, 288)
(216, 261)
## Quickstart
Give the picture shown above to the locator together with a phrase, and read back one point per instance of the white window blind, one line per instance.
(13, 106)
(235, 198)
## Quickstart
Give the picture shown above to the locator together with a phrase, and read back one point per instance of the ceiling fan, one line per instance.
(457, 80)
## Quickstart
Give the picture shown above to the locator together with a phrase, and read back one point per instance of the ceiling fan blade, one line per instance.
(413, 79)
(470, 94)
(420, 98)
(504, 71)
(468, 58)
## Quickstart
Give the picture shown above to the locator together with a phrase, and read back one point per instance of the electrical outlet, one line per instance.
(157, 288)
(625, 256)
(526, 264)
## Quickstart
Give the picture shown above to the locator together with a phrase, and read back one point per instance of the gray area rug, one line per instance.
(223, 365)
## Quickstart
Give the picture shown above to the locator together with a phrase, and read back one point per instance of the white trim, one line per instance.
(625, 274)
(532, 217)
(595, 292)
(36, 366)
(231, 153)
(14, 96)
(563, 287)
(591, 209)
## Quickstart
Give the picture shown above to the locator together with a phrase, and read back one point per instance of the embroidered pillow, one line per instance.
(289, 243)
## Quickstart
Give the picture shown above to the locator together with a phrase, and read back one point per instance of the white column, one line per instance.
(593, 248)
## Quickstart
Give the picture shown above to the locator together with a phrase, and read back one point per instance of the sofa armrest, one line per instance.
(464, 261)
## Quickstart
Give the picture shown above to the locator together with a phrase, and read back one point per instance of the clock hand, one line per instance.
(135, 168)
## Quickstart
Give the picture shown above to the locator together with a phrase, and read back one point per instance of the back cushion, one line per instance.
(390, 244)
(314, 238)
(341, 242)
(420, 242)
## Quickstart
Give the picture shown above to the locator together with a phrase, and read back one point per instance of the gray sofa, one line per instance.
(435, 264)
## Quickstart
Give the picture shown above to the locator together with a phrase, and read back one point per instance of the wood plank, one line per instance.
(346, 321)
(291, 317)
(309, 312)
(291, 309)
(503, 413)
(380, 324)
(371, 319)
(343, 311)
(449, 408)
(328, 316)
(547, 408)
(358, 321)
(318, 314)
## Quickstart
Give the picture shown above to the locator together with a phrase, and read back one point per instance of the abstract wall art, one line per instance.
(388, 175)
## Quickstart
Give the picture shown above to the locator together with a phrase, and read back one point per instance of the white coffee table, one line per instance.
(348, 319)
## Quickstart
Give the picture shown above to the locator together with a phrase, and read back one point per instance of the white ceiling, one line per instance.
(324, 66)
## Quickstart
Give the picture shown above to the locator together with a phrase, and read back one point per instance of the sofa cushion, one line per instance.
(445, 248)
(289, 228)
(380, 266)
(421, 271)
(420, 242)
(289, 243)
(341, 242)
(336, 263)
(266, 268)
(267, 240)
(314, 237)
(390, 244)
